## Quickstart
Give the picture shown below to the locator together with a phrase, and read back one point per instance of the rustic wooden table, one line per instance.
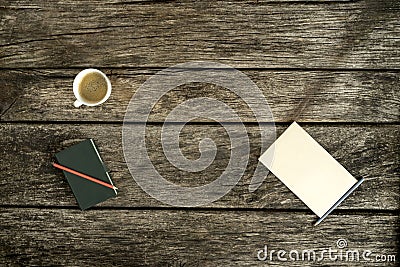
(333, 66)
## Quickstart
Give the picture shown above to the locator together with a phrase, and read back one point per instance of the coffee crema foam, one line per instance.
(93, 87)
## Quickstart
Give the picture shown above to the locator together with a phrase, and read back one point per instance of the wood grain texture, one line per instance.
(27, 177)
(333, 63)
(247, 34)
(186, 238)
(327, 96)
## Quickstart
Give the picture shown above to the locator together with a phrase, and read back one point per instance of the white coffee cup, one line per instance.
(91, 88)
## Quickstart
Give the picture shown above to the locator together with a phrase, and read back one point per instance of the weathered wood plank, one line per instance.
(359, 34)
(188, 238)
(349, 96)
(29, 5)
(27, 177)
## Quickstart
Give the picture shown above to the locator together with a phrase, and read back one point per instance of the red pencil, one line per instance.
(84, 176)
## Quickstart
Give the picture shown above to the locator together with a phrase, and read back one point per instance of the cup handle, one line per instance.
(77, 104)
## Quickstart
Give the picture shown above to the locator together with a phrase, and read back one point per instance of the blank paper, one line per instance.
(307, 169)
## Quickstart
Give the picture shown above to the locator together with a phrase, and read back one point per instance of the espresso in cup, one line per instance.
(91, 88)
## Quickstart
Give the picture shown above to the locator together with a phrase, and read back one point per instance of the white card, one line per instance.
(307, 169)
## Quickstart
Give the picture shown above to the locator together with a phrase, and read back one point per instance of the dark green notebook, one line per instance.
(85, 158)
